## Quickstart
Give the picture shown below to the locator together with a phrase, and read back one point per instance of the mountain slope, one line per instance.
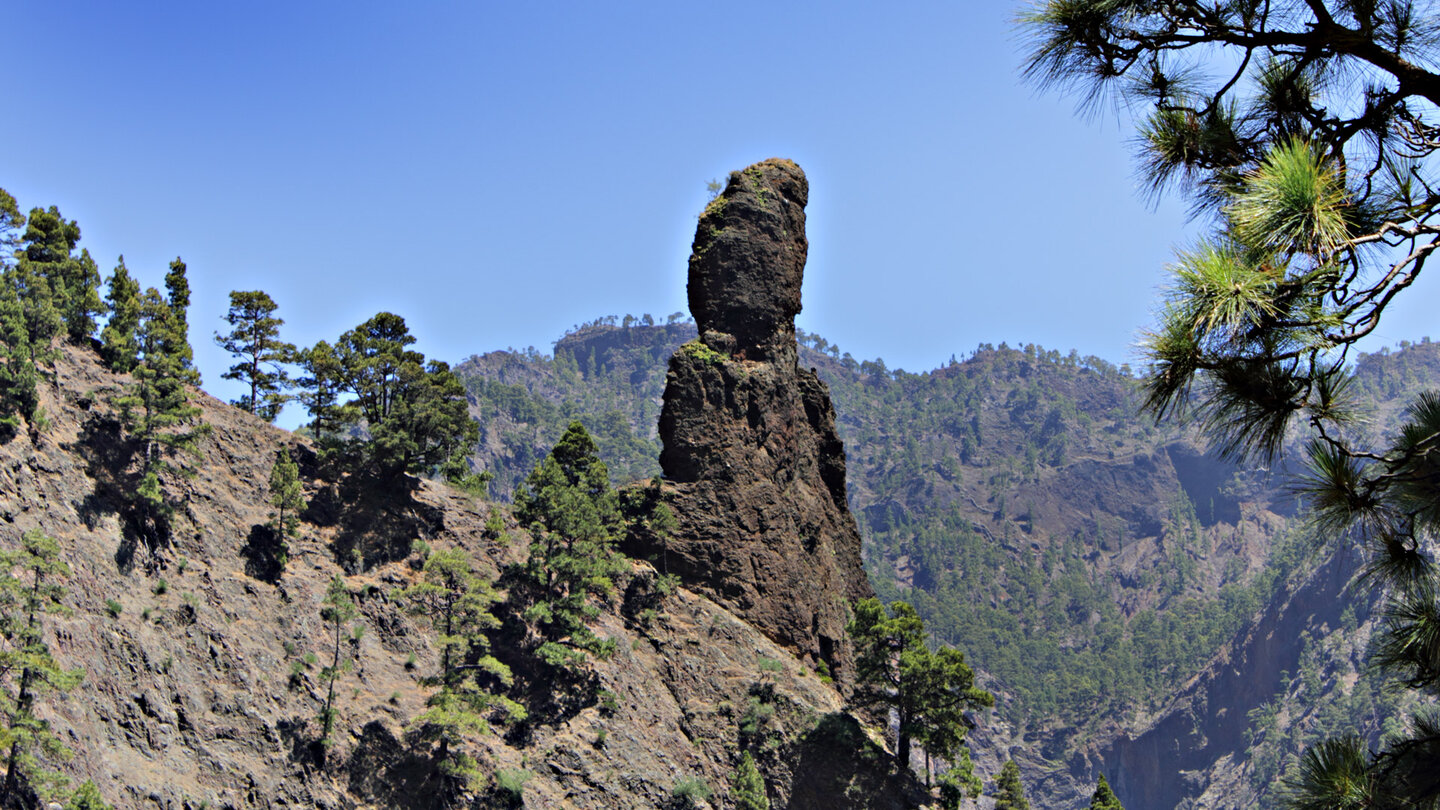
(1092, 564)
(200, 689)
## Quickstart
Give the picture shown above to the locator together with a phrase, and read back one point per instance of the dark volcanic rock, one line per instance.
(756, 472)
(748, 259)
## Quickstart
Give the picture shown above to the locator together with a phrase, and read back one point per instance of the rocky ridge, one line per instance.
(202, 652)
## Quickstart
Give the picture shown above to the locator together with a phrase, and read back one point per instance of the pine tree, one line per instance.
(416, 414)
(747, 786)
(255, 338)
(337, 610)
(1104, 798)
(895, 670)
(429, 425)
(574, 519)
(372, 356)
(72, 282)
(80, 298)
(319, 389)
(1009, 791)
(30, 589)
(959, 783)
(39, 313)
(18, 377)
(12, 225)
(156, 410)
(287, 495)
(17, 368)
(177, 296)
(117, 340)
(456, 600)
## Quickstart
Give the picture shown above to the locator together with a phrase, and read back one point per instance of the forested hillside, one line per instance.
(610, 378)
(1087, 561)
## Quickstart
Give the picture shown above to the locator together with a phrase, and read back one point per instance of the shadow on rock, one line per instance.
(265, 554)
(109, 461)
(107, 457)
(377, 519)
(305, 749)
(554, 693)
(386, 771)
(836, 759)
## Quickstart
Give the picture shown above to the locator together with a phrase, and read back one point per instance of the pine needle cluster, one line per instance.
(1305, 132)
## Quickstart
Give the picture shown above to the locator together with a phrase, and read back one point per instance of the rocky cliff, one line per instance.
(1188, 754)
(203, 689)
(753, 467)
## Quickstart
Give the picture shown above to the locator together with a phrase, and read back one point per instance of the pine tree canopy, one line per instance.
(747, 786)
(287, 496)
(12, 224)
(456, 600)
(255, 338)
(929, 691)
(18, 376)
(574, 520)
(156, 410)
(1009, 790)
(30, 588)
(416, 413)
(74, 281)
(1104, 798)
(1305, 133)
(117, 340)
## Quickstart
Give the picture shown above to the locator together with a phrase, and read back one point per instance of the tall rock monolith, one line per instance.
(754, 470)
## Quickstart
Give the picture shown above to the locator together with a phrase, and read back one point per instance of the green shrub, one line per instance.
(609, 703)
(87, 798)
(689, 790)
(510, 786)
(698, 350)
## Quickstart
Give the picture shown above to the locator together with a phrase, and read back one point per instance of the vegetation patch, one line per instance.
(699, 351)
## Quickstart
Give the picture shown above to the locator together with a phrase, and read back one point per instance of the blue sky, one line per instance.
(498, 172)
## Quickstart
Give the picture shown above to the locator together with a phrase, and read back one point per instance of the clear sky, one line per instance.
(498, 172)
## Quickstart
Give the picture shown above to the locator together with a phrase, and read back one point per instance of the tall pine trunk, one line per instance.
(22, 702)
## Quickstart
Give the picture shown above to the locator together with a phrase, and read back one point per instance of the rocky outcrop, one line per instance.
(202, 684)
(754, 469)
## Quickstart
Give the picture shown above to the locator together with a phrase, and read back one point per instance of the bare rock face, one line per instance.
(756, 472)
(204, 692)
(748, 259)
